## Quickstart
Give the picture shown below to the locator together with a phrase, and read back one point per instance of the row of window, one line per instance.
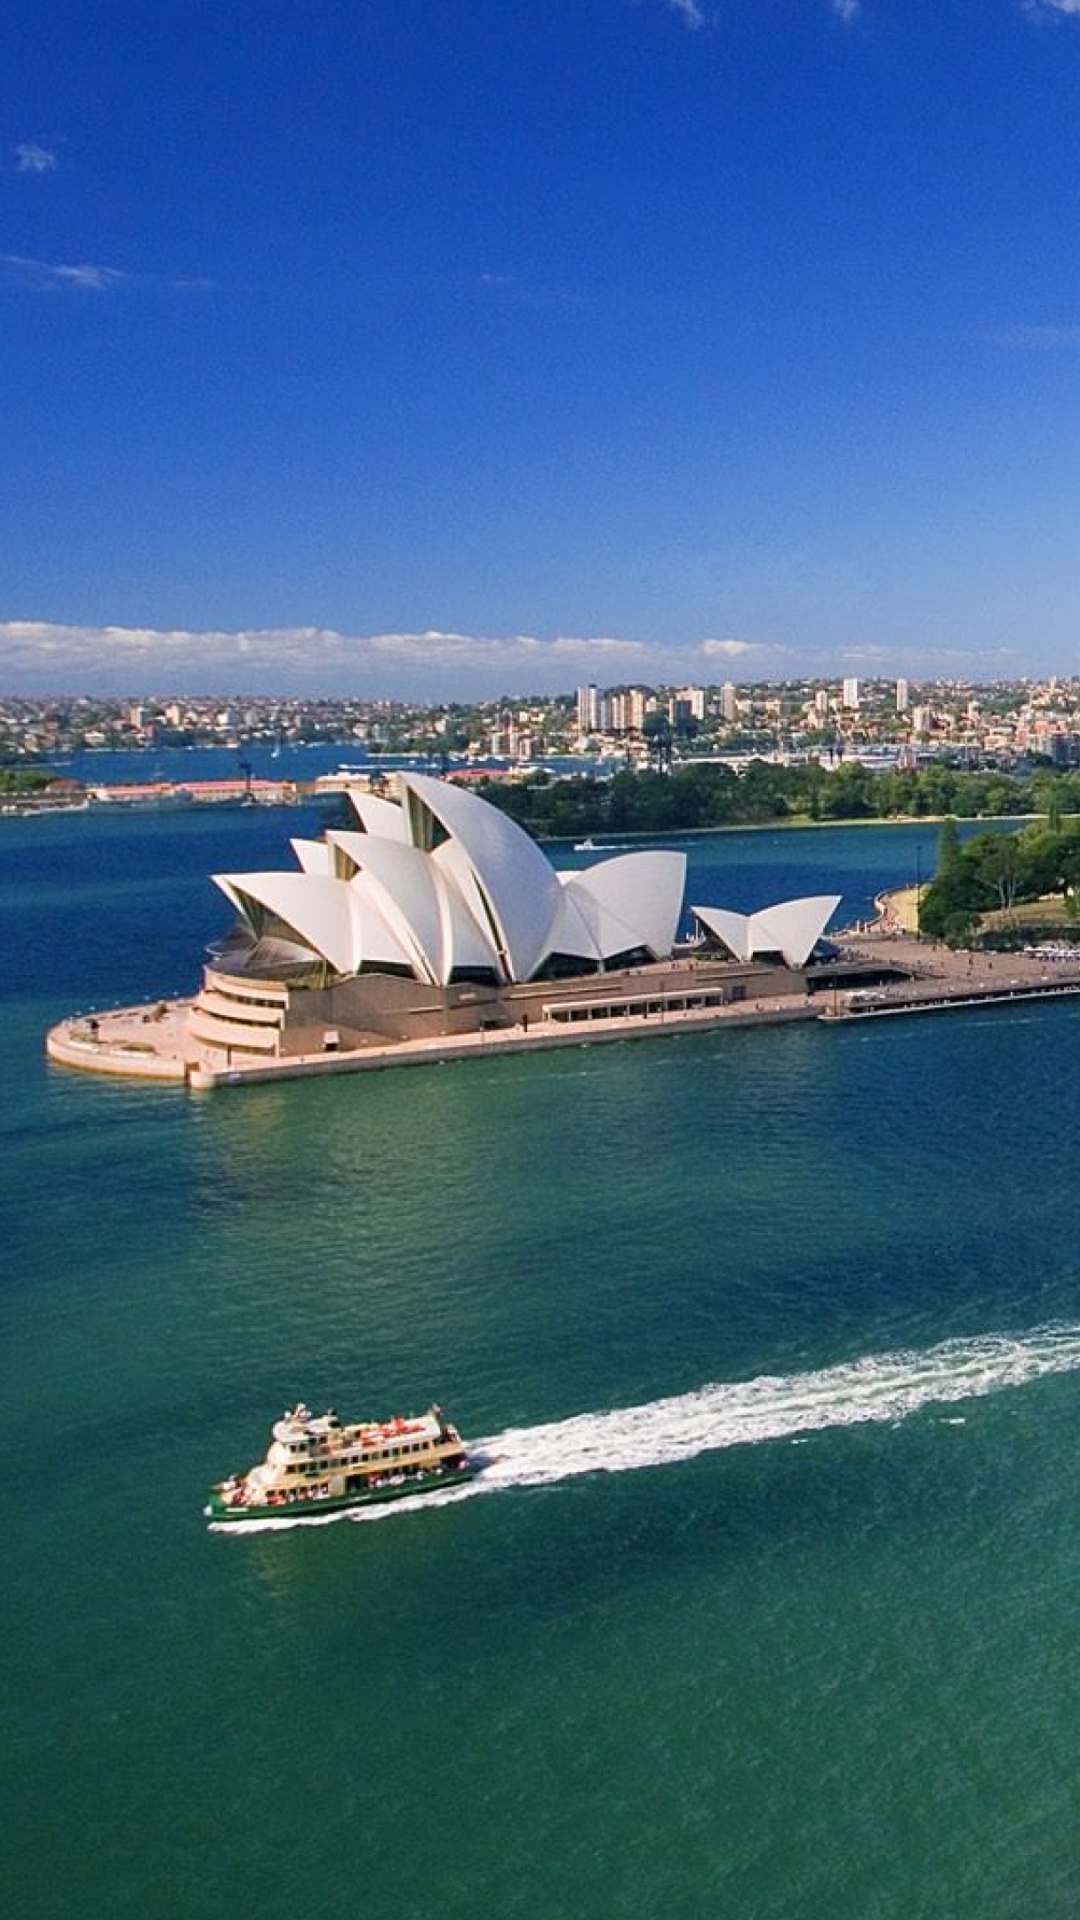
(369, 1458)
(571, 1013)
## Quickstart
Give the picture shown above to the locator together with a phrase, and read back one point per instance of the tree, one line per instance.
(1049, 797)
(948, 845)
(1000, 866)
(960, 928)
(1068, 870)
(657, 731)
(957, 889)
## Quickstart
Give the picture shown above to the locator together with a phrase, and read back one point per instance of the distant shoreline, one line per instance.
(184, 799)
(790, 826)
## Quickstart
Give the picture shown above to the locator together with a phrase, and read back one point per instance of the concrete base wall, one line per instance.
(239, 1019)
(379, 1007)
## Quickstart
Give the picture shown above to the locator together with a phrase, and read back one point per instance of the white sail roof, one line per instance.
(519, 886)
(312, 855)
(313, 906)
(732, 929)
(445, 884)
(791, 927)
(377, 815)
(637, 895)
(421, 905)
(794, 927)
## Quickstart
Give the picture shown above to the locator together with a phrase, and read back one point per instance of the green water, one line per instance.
(801, 1648)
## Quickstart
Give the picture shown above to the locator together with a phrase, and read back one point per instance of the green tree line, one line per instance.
(25, 780)
(1001, 872)
(709, 794)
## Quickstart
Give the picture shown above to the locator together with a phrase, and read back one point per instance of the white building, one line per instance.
(441, 887)
(588, 709)
(435, 914)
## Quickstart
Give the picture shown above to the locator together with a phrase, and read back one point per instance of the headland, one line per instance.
(880, 973)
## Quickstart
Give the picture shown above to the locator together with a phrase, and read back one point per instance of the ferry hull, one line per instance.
(219, 1513)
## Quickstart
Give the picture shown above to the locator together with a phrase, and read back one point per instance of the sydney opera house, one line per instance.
(434, 914)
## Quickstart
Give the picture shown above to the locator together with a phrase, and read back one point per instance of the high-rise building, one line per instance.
(851, 694)
(901, 696)
(588, 709)
(693, 701)
(728, 703)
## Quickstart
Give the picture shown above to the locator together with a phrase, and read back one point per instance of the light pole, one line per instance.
(918, 891)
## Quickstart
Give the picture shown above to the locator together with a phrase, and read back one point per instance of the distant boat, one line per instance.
(589, 845)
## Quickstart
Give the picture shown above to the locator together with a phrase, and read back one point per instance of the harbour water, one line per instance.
(767, 1602)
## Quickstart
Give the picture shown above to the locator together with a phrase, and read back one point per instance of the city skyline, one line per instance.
(436, 353)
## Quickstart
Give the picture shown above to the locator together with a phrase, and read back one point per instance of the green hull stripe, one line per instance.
(335, 1503)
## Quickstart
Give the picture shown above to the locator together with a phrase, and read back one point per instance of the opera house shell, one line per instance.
(433, 906)
(790, 930)
(434, 915)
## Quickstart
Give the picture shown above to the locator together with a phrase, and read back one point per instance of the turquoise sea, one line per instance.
(767, 1606)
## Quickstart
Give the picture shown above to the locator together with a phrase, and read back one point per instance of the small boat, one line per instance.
(588, 845)
(317, 1463)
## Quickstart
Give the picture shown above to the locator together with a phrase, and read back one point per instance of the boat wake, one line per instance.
(884, 1387)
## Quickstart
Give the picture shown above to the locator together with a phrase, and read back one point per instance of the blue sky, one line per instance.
(446, 348)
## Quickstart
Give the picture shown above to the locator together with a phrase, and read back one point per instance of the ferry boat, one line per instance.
(317, 1463)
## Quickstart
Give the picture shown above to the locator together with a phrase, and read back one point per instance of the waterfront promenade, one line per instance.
(153, 1042)
(938, 977)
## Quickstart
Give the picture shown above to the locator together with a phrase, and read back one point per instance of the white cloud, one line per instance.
(88, 276)
(689, 11)
(47, 277)
(734, 649)
(846, 9)
(598, 649)
(30, 158)
(41, 656)
(522, 649)
(37, 656)
(23, 640)
(1053, 6)
(42, 274)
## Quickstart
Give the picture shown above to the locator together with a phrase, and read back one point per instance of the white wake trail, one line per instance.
(883, 1387)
